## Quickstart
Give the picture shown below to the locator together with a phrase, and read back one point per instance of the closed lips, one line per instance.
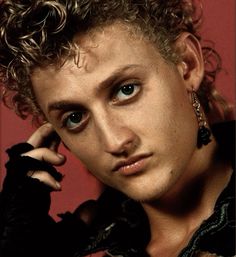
(130, 162)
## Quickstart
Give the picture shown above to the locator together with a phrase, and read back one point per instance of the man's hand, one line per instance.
(45, 135)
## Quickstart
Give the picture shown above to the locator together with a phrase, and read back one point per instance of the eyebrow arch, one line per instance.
(116, 75)
(65, 105)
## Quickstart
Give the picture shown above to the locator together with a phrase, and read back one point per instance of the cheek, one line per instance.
(169, 120)
(162, 112)
(84, 148)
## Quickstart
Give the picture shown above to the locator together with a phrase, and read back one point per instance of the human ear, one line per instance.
(191, 64)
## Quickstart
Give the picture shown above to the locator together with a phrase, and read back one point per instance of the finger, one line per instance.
(47, 155)
(40, 135)
(46, 178)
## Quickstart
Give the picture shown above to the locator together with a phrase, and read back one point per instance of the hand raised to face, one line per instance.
(45, 142)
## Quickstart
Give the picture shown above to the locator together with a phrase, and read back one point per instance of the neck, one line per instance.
(176, 216)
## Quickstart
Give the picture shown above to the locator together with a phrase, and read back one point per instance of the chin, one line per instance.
(144, 193)
(149, 186)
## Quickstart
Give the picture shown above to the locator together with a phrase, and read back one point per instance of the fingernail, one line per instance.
(60, 155)
(58, 186)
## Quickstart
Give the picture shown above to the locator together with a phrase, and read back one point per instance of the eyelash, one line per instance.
(134, 86)
(82, 122)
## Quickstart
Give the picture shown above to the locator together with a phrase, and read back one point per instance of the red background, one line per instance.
(78, 185)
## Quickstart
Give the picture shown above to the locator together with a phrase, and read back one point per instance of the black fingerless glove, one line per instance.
(24, 206)
(18, 166)
(18, 187)
(18, 149)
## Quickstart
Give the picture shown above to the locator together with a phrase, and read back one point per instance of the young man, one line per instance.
(122, 84)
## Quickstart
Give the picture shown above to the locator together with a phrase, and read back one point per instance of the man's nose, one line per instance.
(116, 137)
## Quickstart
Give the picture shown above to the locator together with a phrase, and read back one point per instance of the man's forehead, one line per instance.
(99, 45)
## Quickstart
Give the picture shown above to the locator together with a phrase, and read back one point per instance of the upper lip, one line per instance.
(129, 161)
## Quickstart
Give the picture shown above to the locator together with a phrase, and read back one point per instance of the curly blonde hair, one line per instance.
(38, 33)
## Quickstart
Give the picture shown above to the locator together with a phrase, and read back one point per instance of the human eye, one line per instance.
(74, 120)
(126, 92)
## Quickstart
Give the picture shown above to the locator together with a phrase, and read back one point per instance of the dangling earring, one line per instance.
(203, 137)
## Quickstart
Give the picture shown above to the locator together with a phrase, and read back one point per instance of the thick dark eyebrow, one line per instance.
(116, 76)
(65, 105)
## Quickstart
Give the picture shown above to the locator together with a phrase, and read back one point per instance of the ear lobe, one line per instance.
(191, 64)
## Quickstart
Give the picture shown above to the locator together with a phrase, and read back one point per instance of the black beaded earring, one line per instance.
(204, 133)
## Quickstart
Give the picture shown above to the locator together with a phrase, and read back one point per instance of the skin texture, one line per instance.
(48, 154)
(157, 119)
(130, 105)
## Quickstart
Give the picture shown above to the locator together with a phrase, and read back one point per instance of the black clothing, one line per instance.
(120, 226)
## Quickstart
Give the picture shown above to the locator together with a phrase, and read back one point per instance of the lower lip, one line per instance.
(133, 168)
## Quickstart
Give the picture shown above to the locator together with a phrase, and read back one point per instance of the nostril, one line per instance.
(123, 147)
